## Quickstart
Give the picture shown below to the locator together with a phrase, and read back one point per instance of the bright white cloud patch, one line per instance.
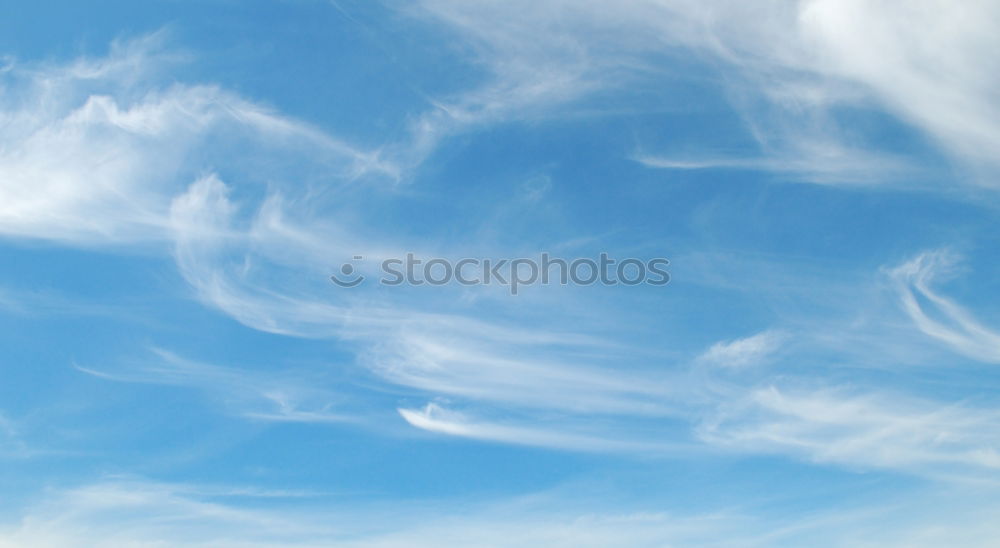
(744, 352)
(94, 152)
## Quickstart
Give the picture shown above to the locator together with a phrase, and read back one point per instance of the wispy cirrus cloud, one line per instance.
(137, 512)
(559, 434)
(857, 428)
(938, 316)
(255, 395)
(814, 162)
(792, 69)
(130, 512)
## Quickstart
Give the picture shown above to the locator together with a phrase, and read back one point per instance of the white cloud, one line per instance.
(790, 68)
(814, 161)
(559, 434)
(861, 429)
(130, 512)
(519, 373)
(285, 397)
(938, 316)
(744, 352)
(138, 513)
(133, 512)
(929, 62)
(92, 152)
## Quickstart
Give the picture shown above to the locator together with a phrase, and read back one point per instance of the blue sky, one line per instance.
(179, 180)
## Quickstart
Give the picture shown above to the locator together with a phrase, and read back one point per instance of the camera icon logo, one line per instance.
(348, 277)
